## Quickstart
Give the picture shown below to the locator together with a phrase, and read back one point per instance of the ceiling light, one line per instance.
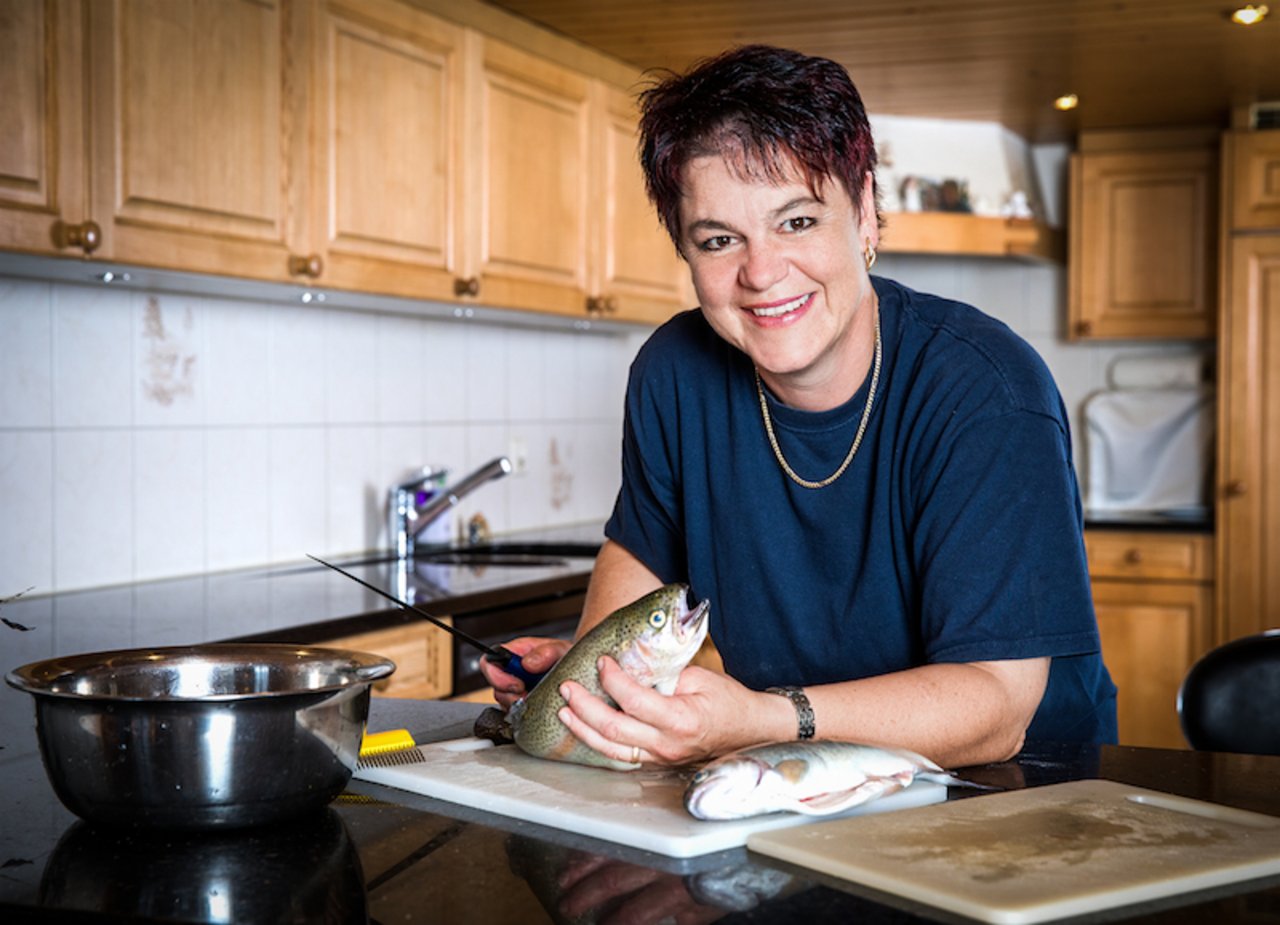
(1066, 101)
(1249, 15)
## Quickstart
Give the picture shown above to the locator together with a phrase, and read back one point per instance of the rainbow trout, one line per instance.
(653, 639)
(814, 778)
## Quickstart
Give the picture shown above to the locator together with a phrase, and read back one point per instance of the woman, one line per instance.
(872, 486)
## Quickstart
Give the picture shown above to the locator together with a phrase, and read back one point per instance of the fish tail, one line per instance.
(950, 780)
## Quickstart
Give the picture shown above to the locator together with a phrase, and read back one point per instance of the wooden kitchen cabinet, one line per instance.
(528, 137)
(1248, 465)
(636, 273)
(1143, 236)
(423, 657)
(366, 146)
(385, 182)
(1153, 595)
(42, 153)
(198, 133)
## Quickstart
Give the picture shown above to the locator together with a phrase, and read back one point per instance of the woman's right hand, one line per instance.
(538, 655)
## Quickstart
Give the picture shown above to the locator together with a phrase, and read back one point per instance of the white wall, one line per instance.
(1031, 299)
(146, 436)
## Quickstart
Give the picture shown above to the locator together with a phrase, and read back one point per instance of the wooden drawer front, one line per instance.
(423, 657)
(1172, 556)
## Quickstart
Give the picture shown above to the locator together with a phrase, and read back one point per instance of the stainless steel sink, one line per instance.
(498, 553)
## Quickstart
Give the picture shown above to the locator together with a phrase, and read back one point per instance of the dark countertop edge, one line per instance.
(1147, 523)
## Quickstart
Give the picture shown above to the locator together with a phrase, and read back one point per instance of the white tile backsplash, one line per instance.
(26, 524)
(297, 500)
(169, 502)
(236, 367)
(237, 490)
(93, 364)
(167, 345)
(26, 373)
(285, 424)
(92, 504)
(296, 364)
(351, 367)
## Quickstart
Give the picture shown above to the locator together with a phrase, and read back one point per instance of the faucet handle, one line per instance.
(423, 477)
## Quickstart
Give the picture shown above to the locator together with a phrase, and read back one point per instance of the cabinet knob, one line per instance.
(468, 286)
(1235, 488)
(598, 305)
(1133, 556)
(312, 265)
(1084, 328)
(87, 236)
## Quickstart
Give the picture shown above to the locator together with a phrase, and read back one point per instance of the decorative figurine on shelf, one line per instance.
(909, 193)
(1017, 206)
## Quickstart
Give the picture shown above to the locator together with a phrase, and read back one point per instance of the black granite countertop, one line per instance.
(380, 855)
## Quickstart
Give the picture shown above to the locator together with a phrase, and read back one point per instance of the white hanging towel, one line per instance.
(1149, 450)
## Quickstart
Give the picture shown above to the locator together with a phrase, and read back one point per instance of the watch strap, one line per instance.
(804, 710)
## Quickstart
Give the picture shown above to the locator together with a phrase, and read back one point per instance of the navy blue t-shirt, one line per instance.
(956, 535)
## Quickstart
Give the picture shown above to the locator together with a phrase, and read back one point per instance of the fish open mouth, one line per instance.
(691, 618)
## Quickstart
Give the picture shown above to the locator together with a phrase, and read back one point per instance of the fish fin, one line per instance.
(793, 770)
(825, 804)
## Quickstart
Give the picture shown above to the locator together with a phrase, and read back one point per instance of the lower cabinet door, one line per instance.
(1152, 632)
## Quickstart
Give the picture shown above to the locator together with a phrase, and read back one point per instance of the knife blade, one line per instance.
(501, 656)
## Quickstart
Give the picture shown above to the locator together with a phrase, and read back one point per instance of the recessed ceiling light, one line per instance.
(1066, 101)
(1249, 15)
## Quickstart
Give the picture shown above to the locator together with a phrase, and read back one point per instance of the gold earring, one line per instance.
(870, 254)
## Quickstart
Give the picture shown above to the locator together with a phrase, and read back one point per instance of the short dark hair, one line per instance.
(765, 109)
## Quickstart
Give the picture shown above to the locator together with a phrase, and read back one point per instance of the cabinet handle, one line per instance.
(598, 305)
(468, 286)
(1084, 328)
(86, 236)
(312, 265)
(1235, 488)
(1133, 556)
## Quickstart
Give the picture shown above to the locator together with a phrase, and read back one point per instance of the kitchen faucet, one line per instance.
(415, 503)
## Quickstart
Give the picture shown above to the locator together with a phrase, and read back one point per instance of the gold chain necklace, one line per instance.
(857, 438)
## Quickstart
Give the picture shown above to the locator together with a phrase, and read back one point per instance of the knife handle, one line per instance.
(511, 663)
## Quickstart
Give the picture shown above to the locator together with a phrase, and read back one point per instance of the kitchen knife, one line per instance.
(501, 656)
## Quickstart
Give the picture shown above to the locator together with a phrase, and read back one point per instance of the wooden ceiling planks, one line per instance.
(1133, 62)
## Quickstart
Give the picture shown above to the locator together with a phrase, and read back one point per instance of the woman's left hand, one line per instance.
(709, 714)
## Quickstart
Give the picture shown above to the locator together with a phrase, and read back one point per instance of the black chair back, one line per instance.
(1230, 699)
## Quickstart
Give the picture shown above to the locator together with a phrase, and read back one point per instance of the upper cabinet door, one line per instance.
(1144, 244)
(42, 190)
(199, 138)
(638, 276)
(386, 185)
(1254, 175)
(528, 137)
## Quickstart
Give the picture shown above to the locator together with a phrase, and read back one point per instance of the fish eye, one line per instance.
(657, 618)
(701, 776)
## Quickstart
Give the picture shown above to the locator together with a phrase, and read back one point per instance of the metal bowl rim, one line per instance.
(35, 678)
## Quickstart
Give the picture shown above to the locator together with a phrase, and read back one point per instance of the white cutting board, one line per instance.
(1043, 853)
(641, 809)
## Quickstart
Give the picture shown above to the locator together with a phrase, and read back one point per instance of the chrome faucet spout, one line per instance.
(408, 518)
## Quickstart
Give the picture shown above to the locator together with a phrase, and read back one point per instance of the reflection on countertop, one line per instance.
(1160, 521)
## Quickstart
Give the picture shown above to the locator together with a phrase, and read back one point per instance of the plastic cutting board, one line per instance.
(1039, 854)
(640, 809)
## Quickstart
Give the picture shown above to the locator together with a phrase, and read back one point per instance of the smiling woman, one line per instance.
(872, 486)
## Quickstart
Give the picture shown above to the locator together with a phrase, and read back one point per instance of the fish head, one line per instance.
(727, 788)
(659, 634)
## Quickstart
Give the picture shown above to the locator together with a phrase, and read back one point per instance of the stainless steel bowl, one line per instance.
(220, 735)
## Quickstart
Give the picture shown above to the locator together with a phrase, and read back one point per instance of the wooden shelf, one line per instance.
(961, 234)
